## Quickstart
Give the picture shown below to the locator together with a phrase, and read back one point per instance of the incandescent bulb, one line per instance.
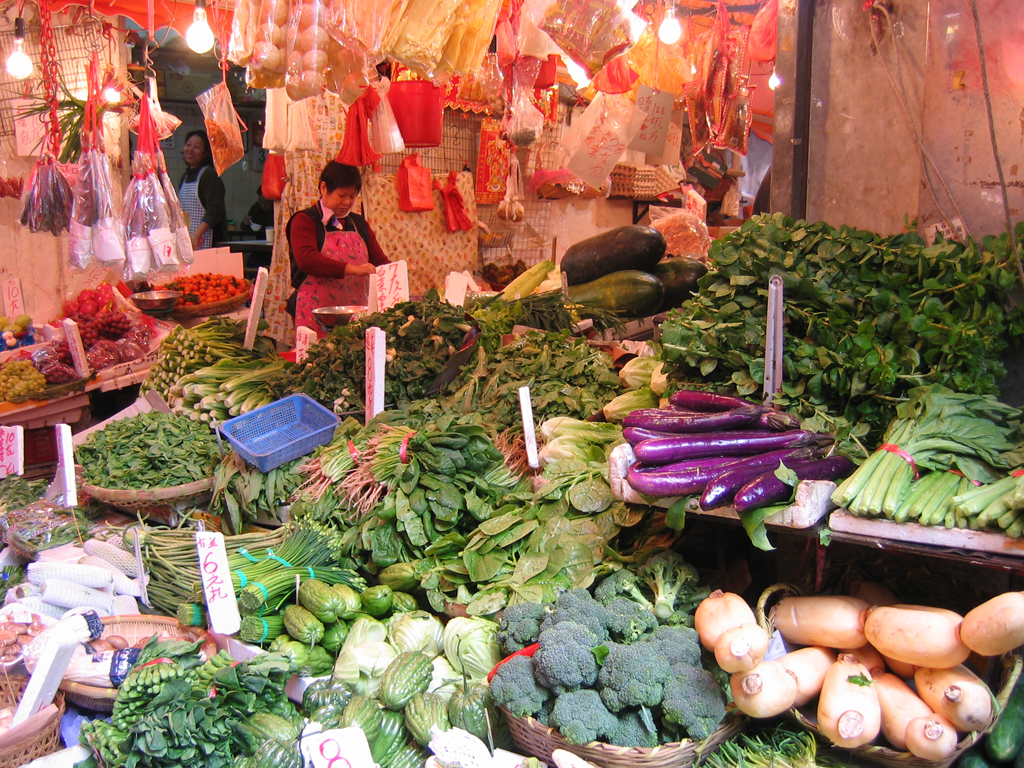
(670, 30)
(19, 65)
(111, 95)
(577, 73)
(773, 81)
(199, 36)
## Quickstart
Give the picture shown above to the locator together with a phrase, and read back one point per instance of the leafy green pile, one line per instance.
(241, 492)
(867, 318)
(151, 450)
(421, 336)
(16, 491)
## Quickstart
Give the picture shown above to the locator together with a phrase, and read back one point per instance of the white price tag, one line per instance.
(74, 339)
(14, 299)
(221, 604)
(376, 348)
(162, 241)
(657, 106)
(304, 339)
(12, 451)
(256, 307)
(29, 131)
(455, 287)
(63, 490)
(696, 204)
(529, 431)
(19, 615)
(392, 285)
(337, 748)
(140, 566)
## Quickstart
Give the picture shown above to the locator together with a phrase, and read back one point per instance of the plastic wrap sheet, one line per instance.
(222, 127)
(423, 34)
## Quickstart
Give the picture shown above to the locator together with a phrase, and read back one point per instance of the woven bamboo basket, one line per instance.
(161, 504)
(46, 742)
(213, 308)
(132, 628)
(1006, 673)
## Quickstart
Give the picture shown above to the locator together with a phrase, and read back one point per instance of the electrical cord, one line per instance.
(901, 94)
(995, 147)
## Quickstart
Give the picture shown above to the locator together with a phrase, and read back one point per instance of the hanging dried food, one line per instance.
(47, 206)
(426, 27)
(267, 61)
(164, 123)
(222, 127)
(306, 51)
(523, 121)
(511, 207)
(591, 32)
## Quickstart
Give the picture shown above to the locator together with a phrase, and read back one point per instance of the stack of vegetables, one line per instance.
(241, 493)
(853, 655)
(606, 668)
(229, 388)
(104, 580)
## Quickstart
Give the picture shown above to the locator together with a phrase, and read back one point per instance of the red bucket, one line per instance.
(419, 112)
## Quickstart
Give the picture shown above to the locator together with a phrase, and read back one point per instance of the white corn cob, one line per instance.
(124, 561)
(68, 594)
(124, 605)
(122, 584)
(85, 575)
(38, 605)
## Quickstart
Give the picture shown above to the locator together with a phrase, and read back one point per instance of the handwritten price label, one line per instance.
(529, 431)
(376, 348)
(256, 307)
(304, 339)
(217, 587)
(337, 748)
(657, 108)
(392, 285)
(14, 299)
(12, 451)
(74, 338)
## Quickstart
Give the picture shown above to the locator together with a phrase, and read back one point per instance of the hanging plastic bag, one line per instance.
(455, 216)
(275, 176)
(222, 127)
(616, 77)
(470, 36)
(590, 32)
(164, 122)
(306, 50)
(349, 71)
(415, 193)
(731, 75)
(47, 204)
(301, 131)
(385, 137)
(425, 29)
(275, 137)
(511, 207)
(764, 31)
(355, 148)
(523, 121)
(243, 31)
(363, 27)
(735, 132)
(267, 63)
(175, 215)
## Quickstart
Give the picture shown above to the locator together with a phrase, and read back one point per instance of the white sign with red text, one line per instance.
(392, 285)
(376, 349)
(73, 336)
(12, 451)
(221, 604)
(657, 108)
(304, 339)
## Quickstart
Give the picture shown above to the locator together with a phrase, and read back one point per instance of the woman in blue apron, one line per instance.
(201, 193)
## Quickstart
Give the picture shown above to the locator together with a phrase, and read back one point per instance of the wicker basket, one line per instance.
(213, 308)
(45, 742)
(1009, 671)
(132, 628)
(161, 504)
(534, 738)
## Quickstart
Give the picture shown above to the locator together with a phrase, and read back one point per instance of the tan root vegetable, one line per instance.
(931, 738)
(870, 658)
(900, 668)
(741, 648)
(899, 706)
(830, 622)
(995, 627)
(958, 694)
(718, 612)
(848, 710)
(809, 666)
(917, 634)
(765, 691)
(872, 592)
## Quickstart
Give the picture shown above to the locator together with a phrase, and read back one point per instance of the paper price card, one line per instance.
(337, 748)
(304, 339)
(221, 604)
(74, 339)
(613, 123)
(376, 348)
(657, 108)
(256, 307)
(14, 299)
(12, 451)
(392, 285)
(529, 431)
(455, 287)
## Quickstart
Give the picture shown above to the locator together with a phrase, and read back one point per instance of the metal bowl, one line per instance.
(328, 317)
(156, 301)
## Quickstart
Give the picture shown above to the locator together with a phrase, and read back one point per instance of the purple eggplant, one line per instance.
(722, 489)
(707, 401)
(768, 489)
(677, 422)
(780, 421)
(674, 483)
(682, 466)
(636, 435)
(664, 450)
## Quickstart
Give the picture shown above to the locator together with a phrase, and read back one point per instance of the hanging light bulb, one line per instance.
(111, 95)
(199, 36)
(773, 81)
(670, 30)
(19, 65)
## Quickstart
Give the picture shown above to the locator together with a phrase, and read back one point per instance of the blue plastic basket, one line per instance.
(277, 433)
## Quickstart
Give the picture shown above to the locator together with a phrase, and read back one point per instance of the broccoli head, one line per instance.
(565, 659)
(694, 700)
(520, 626)
(632, 732)
(633, 676)
(582, 717)
(622, 583)
(515, 686)
(629, 622)
(579, 606)
(670, 579)
(679, 645)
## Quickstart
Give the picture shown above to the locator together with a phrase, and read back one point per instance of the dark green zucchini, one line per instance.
(630, 247)
(1007, 735)
(974, 758)
(629, 293)
(679, 276)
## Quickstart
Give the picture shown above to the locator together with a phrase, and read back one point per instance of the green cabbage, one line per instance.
(644, 372)
(471, 646)
(365, 630)
(445, 679)
(624, 404)
(361, 666)
(591, 431)
(416, 631)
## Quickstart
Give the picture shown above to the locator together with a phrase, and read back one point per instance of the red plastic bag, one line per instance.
(455, 214)
(764, 32)
(415, 193)
(616, 77)
(356, 149)
(275, 176)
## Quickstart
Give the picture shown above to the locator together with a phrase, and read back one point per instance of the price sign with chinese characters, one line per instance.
(221, 604)
(74, 338)
(256, 307)
(304, 339)
(657, 108)
(63, 489)
(392, 285)
(376, 349)
(14, 299)
(673, 141)
(617, 122)
(12, 451)
(529, 431)
(337, 748)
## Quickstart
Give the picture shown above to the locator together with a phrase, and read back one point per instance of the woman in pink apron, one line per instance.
(333, 251)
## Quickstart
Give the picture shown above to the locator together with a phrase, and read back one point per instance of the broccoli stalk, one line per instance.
(668, 577)
(622, 583)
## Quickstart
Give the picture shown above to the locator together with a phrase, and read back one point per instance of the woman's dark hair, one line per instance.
(208, 153)
(339, 176)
